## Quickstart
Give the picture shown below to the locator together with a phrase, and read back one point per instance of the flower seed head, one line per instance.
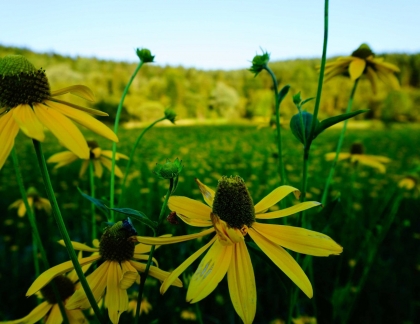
(64, 286)
(363, 52)
(233, 203)
(21, 83)
(357, 148)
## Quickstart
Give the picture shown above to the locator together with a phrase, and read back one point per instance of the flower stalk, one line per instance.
(92, 205)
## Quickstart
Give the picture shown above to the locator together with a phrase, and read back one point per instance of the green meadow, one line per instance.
(359, 203)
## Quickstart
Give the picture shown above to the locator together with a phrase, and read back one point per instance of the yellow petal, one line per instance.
(241, 282)
(208, 193)
(129, 275)
(22, 208)
(299, 239)
(288, 211)
(197, 222)
(62, 157)
(274, 197)
(80, 246)
(210, 272)
(379, 62)
(184, 265)
(77, 90)
(379, 158)
(334, 73)
(28, 123)
(189, 207)
(15, 204)
(371, 75)
(96, 152)
(341, 156)
(362, 159)
(97, 281)
(84, 119)
(54, 317)
(8, 131)
(171, 240)
(145, 258)
(284, 261)
(62, 128)
(108, 164)
(108, 154)
(98, 168)
(116, 298)
(83, 168)
(34, 316)
(356, 68)
(53, 272)
(143, 248)
(76, 316)
(388, 78)
(155, 272)
(90, 111)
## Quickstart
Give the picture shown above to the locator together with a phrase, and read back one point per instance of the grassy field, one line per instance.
(359, 200)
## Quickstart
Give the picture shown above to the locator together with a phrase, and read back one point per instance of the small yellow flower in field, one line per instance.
(116, 274)
(49, 310)
(188, 315)
(28, 104)
(231, 214)
(304, 320)
(357, 155)
(98, 157)
(363, 62)
(408, 183)
(145, 306)
(34, 200)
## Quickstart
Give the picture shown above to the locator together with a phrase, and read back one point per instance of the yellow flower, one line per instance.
(26, 103)
(34, 199)
(408, 183)
(116, 274)
(49, 310)
(188, 315)
(232, 215)
(356, 156)
(98, 157)
(304, 320)
(363, 62)
(145, 306)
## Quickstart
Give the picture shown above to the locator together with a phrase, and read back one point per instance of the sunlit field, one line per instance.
(360, 201)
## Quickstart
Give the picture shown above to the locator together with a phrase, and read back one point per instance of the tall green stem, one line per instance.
(36, 238)
(152, 250)
(114, 145)
(277, 103)
(130, 159)
(339, 145)
(62, 227)
(92, 206)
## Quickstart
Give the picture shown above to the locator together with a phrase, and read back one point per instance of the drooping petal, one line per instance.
(155, 272)
(288, 211)
(108, 154)
(171, 240)
(341, 156)
(143, 248)
(15, 204)
(284, 261)
(98, 168)
(28, 123)
(356, 68)
(129, 275)
(362, 159)
(379, 158)
(64, 129)
(299, 239)
(97, 281)
(388, 77)
(108, 164)
(197, 222)
(22, 208)
(34, 316)
(53, 272)
(83, 168)
(96, 152)
(208, 193)
(76, 316)
(274, 197)
(54, 317)
(116, 298)
(378, 61)
(62, 157)
(80, 246)
(8, 131)
(145, 257)
(90, 111)
(372, 77)
(210, 272)
(84, 119)
(189, 207)
(77, 90)
(241, 282)
(183, 266)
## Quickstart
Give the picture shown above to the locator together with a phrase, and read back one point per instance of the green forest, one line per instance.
(230, 95)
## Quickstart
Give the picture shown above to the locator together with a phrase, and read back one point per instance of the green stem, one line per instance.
(35, 255)
(36, 238)
(130, 159)
(143, 277)
(114, 145)
(199, 315)
(92, 206)
(339, 145)
(277, 103)
(62, 228)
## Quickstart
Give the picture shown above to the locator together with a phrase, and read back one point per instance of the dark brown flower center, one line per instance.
(65, 288)
(363, 52)
(357, 148)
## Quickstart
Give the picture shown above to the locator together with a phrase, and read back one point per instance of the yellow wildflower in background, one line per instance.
(145, 306)
(363, 62)
(116, 274)
(357, 155)
(28, 104)
(34, 199)
(232, 215)
(408, 183)
(98, 157)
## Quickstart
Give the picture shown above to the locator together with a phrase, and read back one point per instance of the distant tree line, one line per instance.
(234, 94)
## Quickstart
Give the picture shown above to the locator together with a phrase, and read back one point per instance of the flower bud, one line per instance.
(170, 115)
(169, 170)
(145, 55)
(259, 63)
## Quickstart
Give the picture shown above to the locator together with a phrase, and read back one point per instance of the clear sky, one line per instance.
(216, 34)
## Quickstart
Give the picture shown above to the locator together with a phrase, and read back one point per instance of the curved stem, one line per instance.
(37, 242)
(62, 228)
(114, 145)
(339, 145)
(130, 159)
(92, 206)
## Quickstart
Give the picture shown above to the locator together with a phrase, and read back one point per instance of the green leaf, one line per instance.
(306, 101)
(283, 92)
(137, 215)
(101, 204)
(326, 123)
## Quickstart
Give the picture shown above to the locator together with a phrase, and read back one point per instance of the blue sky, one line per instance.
(217, 34)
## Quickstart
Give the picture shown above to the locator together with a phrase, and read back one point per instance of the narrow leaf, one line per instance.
(326, 123)
(283, 92)
(97, 202)
(138, 215)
